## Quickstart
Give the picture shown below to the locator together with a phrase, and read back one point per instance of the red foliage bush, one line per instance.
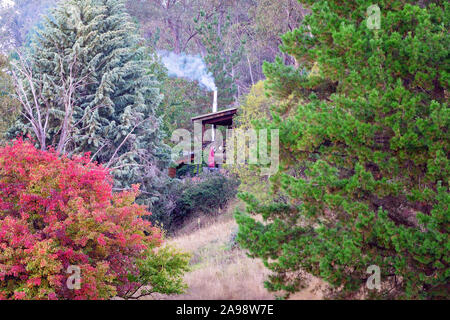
(57, 212)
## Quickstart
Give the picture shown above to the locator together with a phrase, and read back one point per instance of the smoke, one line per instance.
(188, 67)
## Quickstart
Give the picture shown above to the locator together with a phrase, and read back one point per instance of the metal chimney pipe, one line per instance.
(214, 110)
(215, 101)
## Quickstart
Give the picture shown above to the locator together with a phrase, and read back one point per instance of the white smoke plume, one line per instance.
(188, 67)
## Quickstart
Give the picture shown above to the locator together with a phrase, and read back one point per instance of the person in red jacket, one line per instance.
(211, 163)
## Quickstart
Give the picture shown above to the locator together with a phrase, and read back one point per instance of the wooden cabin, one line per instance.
(222, 118)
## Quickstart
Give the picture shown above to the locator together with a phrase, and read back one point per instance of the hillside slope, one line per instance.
(220, 270)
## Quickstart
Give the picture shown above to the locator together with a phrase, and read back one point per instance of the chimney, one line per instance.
(214, 110)
(215, 101)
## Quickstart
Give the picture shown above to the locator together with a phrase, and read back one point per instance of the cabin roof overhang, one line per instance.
(220, 118)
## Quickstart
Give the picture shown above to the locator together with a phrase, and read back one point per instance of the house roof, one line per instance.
(224, 117)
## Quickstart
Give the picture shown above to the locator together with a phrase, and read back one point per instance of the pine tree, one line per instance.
(96, 42)
(364, 150)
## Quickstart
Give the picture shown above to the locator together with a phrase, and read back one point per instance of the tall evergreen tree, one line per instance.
(95, 43)
(364, 153)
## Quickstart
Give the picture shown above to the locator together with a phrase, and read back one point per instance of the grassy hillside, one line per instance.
(220, 270)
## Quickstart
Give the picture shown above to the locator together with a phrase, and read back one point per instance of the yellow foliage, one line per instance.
(256, 105)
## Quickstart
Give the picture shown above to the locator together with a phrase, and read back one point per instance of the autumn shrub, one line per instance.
(212, 191)
(163, 209)
(57, 212)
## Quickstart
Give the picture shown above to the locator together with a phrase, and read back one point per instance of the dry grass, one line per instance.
(219, 271)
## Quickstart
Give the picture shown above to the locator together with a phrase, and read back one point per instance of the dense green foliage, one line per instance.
(209, 193)
(364, 153)
(206, 194)
(164, 270)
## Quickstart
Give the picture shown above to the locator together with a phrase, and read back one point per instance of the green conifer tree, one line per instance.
(96, 43)
(364, 153)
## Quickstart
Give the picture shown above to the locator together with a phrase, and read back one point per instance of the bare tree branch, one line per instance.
(125, 140)
(32, 111)
(37, 111)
